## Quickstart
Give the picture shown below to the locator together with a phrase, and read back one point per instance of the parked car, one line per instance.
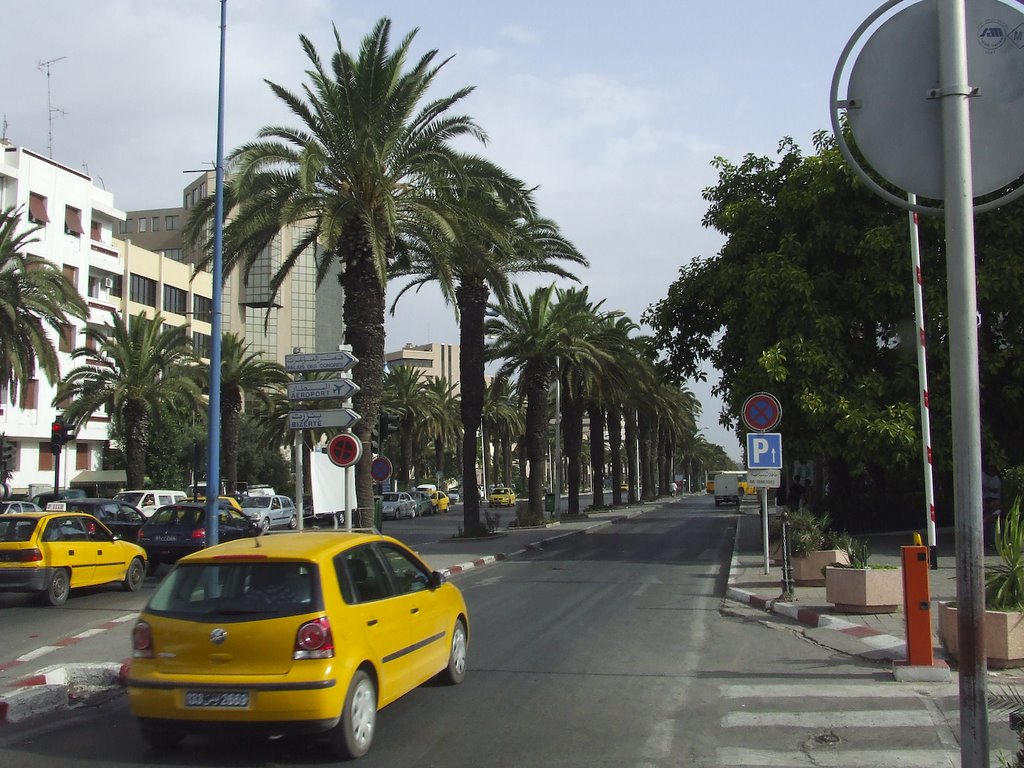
(120, 517)
(51, 553)
(439, 500)
(502, 496)
(276, 638)
(454, 495)
(271, 511)
(149, 501)
(424, 505)
(180, 529)
(42, 499)
(18, 506)
(397, 504)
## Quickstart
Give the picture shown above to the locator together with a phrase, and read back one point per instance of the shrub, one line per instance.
(1004, 581)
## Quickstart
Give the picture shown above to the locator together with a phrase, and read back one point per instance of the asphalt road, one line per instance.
(611, 649)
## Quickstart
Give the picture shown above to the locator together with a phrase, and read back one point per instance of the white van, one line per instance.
(149, 501)
(428, 487)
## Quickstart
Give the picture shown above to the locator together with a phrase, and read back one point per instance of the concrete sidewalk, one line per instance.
(878, 637)
(94, 662)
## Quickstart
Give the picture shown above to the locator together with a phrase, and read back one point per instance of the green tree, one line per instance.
(502, 423)
(132, 370)
(34, 296)
(247, 381)
(368, 167)
(406, 396)
(442, 424)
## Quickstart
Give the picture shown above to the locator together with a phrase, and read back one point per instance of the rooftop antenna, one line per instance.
(3, 136)
(50, 109)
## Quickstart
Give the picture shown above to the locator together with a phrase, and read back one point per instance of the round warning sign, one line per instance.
(762, 411)
(344, 450)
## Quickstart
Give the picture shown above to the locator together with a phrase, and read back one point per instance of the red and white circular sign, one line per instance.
(345, 449)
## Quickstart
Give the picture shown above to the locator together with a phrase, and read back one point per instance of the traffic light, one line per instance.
(388, 424)
(59, 434)
(375, 441)
(6, 458)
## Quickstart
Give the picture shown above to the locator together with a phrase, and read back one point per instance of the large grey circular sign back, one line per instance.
(895, 114)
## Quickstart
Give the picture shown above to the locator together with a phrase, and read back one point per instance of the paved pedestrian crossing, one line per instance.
(871, 724)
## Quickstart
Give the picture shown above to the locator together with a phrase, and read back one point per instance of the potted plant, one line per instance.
(1004, 599)
(859, 587)
(813, 546)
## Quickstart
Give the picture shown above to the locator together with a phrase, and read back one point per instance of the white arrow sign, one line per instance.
(322, 390)
(342, 418)
(319, 361)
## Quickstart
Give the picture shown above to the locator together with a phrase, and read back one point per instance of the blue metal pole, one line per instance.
(213, 448)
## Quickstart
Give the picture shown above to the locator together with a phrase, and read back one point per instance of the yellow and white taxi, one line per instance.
(439, 501)
(502, 497)
(297, 633)
(53, 552)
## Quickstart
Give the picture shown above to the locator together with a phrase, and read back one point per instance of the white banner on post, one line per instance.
(328, 483)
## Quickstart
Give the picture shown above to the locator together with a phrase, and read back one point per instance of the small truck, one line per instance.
(727, 488)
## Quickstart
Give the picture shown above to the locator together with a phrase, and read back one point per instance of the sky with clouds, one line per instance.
(613, 110)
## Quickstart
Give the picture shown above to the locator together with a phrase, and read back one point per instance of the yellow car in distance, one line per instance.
(51, 553)
(304, 633)
(439, 501)
(502, 497)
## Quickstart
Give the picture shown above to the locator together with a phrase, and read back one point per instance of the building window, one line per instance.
(45, 458)
(142, 290)
(37, 209)
(30, 396)
(71, 274)
(202, 308)
(67, 338)
(155, 226)
(73, 222)
(81, 456)
(170, 222)
(174, 254)
(175, 300)
(201, 344)
(143, 221)
(125, 227)
(96, 231)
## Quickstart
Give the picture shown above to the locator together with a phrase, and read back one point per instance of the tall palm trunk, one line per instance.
(471, 297)
(230, 408)
(615, 448)
(364, 331)
(537, 380)
(597, 452)
(572, 436)
(136, 430)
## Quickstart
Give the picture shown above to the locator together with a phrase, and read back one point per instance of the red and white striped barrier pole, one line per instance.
(922, 377)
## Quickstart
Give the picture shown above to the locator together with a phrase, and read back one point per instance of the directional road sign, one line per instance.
(342, 418)
(764, 450)
(762, 412)
(319, 361)
(344, 450)
(322, 390)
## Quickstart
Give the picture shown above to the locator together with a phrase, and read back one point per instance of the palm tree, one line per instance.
(498, 234)
(530, 334)
(366, 168)
(131, 370)
(34, 295)
(405, 395)
(441, 422)
(246, 379)
(503, 422)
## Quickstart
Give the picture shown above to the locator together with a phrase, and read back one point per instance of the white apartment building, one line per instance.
(78, 221)
(434, 361)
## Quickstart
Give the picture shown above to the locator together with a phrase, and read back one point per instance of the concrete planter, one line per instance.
(864, 590)
(807, 568)
(1004, 636)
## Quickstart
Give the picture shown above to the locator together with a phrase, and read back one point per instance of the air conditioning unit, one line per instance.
(108, 283)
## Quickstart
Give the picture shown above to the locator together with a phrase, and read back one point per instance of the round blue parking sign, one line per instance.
(762, 411)
(380, 468)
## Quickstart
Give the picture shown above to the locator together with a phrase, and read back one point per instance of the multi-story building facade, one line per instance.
(298, 316)
(435, 361)
(77, 224)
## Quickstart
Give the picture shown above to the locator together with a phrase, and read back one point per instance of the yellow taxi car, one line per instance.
(294, 634)
(51, 553)
(502, 497)
(439, 501)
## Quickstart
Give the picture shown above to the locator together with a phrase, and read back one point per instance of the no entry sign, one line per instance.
(344, 450)
(762, 412)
